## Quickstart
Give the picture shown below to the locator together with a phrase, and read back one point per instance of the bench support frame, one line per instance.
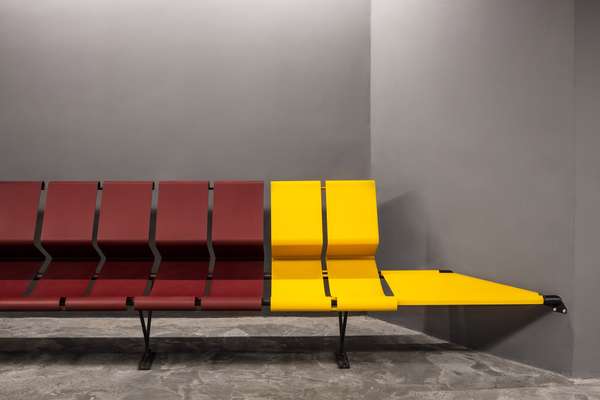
(341, 357)
(148, 356)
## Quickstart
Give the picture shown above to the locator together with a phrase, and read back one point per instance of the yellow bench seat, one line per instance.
(440, 288)
(356, 286)
(297, 285)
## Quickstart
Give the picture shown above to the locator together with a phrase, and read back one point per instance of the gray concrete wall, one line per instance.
(473, 150)
(587, 234)
(184, 89)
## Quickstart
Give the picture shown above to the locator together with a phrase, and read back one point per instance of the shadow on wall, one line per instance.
(407, 241)
(403, 233)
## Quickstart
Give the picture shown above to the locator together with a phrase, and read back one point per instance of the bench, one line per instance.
(341, 278)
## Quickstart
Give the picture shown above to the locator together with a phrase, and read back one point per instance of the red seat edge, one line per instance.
(113, 303)
(223, 303)
(30, 304)
(165, 303)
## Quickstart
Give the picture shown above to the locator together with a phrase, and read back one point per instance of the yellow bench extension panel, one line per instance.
(440, 288)
(352, 240)
(297, 241)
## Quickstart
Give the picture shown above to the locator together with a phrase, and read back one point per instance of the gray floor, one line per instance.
(256, 358)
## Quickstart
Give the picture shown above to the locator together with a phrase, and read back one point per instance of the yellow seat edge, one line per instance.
(307, 305)
(378, 303)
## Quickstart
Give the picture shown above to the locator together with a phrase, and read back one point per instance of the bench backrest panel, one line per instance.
(352, 228)
(181, 220)
(296, 219)
(68, 225)
(19, 203)
(238, 219)
(124, 225)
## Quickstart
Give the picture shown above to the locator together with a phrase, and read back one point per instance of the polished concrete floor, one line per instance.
(256, 358)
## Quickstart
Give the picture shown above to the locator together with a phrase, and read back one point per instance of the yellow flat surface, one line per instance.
(297, 241)
(296, 219)
(297, 285)
(356, 285)
(352, 228)
(431, 288)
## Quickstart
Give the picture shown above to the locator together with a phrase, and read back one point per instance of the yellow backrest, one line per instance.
(296, 219)
(352, 228)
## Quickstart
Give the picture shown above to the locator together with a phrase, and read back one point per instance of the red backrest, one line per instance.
(68, 226)
(19, 203)
(237, 224)
(124, 225)
(181, 220)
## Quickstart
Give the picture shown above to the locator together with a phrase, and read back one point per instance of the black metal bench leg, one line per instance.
(148, 356)
(340, 356)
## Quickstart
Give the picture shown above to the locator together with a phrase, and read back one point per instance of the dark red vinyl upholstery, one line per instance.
(123, 237)
(236, 285)
(19, 203)
(181, 238)
(16, 275)
(65, 278)
(181, 220)
(68, 226)
(67, 235)
(237, 237)
(20, 260)
(124, 226)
